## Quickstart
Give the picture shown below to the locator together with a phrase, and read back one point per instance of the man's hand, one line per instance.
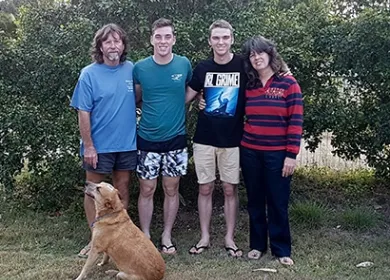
(289, 167)
(90, 156)
(286, 73)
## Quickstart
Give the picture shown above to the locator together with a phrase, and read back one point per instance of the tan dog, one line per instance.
(115, 234)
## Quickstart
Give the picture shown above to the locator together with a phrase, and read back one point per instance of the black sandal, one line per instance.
(230, 251)
(197, 248)
(164, 249)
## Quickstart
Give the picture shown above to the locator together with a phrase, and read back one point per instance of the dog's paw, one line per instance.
(104, 260)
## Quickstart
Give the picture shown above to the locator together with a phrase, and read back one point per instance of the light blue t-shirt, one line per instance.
(107, 92)
(163, 97)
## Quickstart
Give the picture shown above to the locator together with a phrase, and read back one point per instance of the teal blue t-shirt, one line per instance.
(107, 92)
(163, 97)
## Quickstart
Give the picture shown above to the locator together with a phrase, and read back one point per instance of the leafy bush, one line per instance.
(363, 126)
(41, 59)
(46, 190)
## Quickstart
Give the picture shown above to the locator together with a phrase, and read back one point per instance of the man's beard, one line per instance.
(113, 56)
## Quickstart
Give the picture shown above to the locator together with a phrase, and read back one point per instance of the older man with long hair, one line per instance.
(105, 101)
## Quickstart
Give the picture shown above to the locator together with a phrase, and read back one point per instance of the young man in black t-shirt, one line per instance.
(218, 132)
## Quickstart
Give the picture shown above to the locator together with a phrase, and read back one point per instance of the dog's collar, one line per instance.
(97, 219)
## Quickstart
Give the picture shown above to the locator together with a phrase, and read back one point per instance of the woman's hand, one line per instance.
(289, 166)
(202, 103)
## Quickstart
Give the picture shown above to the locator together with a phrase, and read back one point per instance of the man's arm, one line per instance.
(90, 155)
(190, 94)
(138, 95)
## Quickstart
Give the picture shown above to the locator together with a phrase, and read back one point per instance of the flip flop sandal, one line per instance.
(230, 251)
(197, 248)
(165, 249)
(84, 252)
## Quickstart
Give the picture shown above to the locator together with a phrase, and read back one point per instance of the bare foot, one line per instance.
(286, 261)
(254, 254)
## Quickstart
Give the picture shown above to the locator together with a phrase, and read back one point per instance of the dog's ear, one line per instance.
(113, 204)
(108, 205)
(119, 194)
(116, 203)
(113, 201)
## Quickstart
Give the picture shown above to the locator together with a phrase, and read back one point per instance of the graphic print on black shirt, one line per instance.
(221, 123)
(221, 93)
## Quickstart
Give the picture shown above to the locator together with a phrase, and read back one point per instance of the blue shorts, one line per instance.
(108, 162)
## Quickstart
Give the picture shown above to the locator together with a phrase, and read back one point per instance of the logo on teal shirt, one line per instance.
(176, 77)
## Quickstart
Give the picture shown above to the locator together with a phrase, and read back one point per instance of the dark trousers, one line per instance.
(268, 196)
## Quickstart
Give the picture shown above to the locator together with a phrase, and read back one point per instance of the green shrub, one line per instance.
(309, 214)
(49, 189)
(336, 184)
(359, 219)
(41, 61)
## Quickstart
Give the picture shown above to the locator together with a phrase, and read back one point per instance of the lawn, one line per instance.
(42, 246)
(331, 235)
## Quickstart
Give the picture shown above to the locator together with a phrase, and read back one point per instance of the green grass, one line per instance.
(309, 214)
(39, 246)
(335, 186)
(359, 218)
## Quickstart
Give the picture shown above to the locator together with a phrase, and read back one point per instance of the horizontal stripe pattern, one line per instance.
(274, 116)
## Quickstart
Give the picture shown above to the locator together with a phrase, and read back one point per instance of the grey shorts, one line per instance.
(107, 162)
(171, 164)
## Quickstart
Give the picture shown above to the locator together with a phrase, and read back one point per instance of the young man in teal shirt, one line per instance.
(160, 83)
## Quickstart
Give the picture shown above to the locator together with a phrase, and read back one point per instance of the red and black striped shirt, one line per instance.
(274, 116)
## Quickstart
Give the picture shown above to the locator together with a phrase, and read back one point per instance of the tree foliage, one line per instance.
(339, 55)
(361, 51)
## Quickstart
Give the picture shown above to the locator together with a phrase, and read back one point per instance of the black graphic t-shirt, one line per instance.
(221, 123)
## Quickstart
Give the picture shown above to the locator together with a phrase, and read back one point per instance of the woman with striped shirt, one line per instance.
(270, 144)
